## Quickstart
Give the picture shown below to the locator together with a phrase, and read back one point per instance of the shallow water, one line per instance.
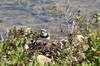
(34, 16)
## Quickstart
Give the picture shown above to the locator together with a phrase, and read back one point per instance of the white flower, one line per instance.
(26, 47)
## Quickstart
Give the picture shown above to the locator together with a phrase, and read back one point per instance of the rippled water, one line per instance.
(12, 14)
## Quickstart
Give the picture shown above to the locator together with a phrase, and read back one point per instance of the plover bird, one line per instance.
(63, 42)
(97, 17)
(44, 34)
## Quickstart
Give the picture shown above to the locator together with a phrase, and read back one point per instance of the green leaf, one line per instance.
(24, 57)
(8, 63)
(2, 53)
(94, 48)
(85, 64)
(96, 62)
(89, 40)
(18, 44)
(78, 65)
(15, 60)
(30, 64)
(79, 17)
(19, 51)
(1, 47)
(4, 46)
(95, 33)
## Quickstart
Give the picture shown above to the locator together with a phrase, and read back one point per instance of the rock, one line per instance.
(43, 59)
(80, 38)
(28, 30)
